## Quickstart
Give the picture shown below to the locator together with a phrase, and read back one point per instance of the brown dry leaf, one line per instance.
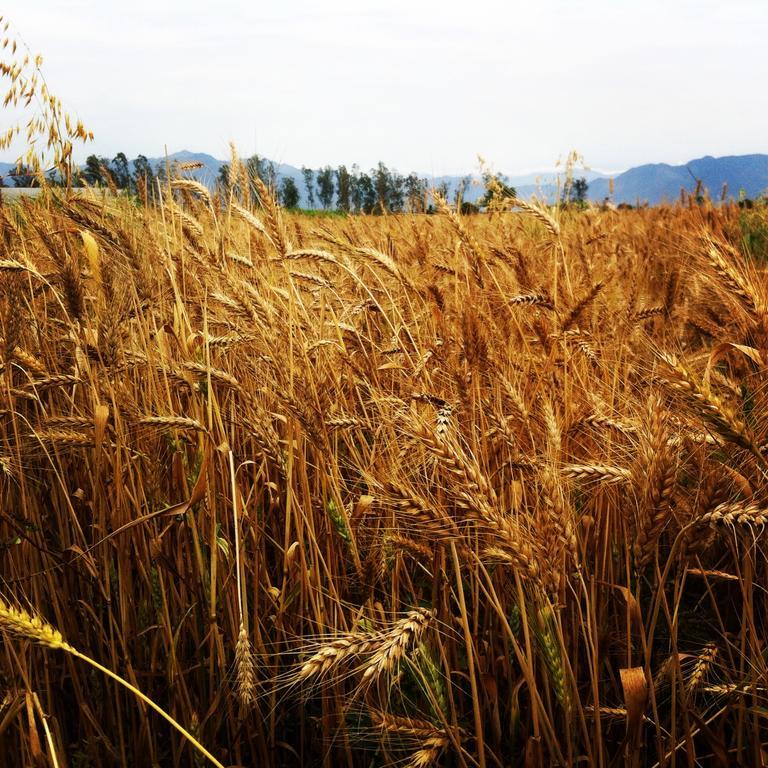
(516, 493)
(34, 736)
(491, 686)
(292, 554)
(632, 604)
(635, 687)
(100, 418)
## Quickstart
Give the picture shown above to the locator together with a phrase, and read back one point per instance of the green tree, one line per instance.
(497, 188)
(120, 172)
(415, 193)
(364, 193)
(396, 193)
(355, 194)
(343, 188)
(93, 171)
(461, 189)
(579, 190)
(382, 181)
(222, 178)
(23, 177)
(325, 188)
(143, 178)
(309, 183)
(289, 193)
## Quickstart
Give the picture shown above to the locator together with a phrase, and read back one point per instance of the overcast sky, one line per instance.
(424, 85)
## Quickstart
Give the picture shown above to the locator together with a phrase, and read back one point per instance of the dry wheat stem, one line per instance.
(29, 626)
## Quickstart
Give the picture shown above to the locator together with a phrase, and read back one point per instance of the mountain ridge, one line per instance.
(652, 183)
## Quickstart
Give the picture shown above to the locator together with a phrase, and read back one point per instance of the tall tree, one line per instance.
(343, 188)
(579, 191)
(309, 183)
(355, 195)
(289, 193)
(222, 179)
(264, 169)
(382, 182)
(93, 171)
(23, 176)
(325, 187)
(120, 173)
(365, 193)
(396, 196)
(143, 178)
(461, 189)
(497, 189)
(415, 193)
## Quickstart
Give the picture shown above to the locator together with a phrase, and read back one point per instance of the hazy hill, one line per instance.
(543, 182)
(652, 183)
(211, 166)
(656, 182)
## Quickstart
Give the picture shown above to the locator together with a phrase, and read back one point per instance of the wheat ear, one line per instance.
(403, 635)
(29, 626)
(244, 668)
(725, 421)
(737, 513)
(539, 213)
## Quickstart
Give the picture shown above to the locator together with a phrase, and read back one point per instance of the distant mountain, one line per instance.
(207, 174)
(652, 183)
(657, 182)
(542, 183)
(211, 166)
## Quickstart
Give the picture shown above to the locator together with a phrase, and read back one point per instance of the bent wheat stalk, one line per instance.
(30, 626)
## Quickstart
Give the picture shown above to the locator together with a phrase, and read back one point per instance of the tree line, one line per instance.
(349, 190)
(137, 177)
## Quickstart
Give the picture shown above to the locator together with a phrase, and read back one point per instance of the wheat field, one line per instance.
(368, 491)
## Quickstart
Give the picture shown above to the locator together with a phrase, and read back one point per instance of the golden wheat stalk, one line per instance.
(428, 754)
(532, 300)
(189, 185)
(27, 625)
(598, 472)
(712, 408)
(731, 279)
(336, 653)
(249, 218)
(172, 422)
(405, 633)
(538, 213)
(701, 668)
(737, 513)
